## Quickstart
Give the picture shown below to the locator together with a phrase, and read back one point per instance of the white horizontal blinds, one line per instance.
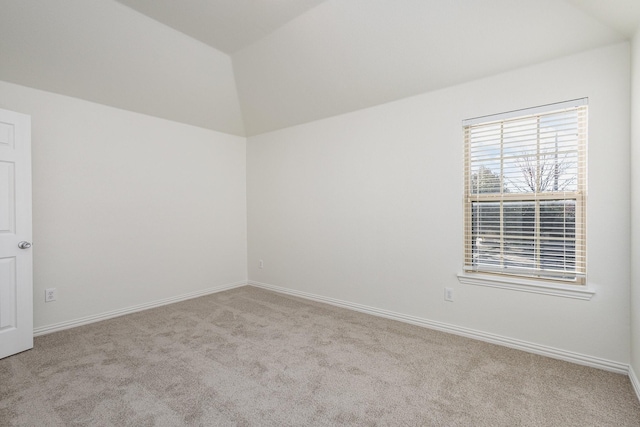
(525, 185)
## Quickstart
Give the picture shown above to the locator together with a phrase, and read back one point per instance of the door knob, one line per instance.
(24, 245)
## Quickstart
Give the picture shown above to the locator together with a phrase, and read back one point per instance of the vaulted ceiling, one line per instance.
(225, 25)
(251, 66)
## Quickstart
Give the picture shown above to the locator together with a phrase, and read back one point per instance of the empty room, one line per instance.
(320, 212)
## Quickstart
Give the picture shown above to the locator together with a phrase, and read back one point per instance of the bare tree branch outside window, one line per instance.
(545, 172)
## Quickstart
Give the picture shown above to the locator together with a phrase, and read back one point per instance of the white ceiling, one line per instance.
(227, 25)
(251, 66)
(102, 51)
(345, 55)
(623, 15)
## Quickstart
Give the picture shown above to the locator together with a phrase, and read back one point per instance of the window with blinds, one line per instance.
(525, 187)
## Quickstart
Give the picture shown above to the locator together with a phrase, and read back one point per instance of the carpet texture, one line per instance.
(250, 357)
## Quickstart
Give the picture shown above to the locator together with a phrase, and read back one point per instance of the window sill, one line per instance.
(527, 285)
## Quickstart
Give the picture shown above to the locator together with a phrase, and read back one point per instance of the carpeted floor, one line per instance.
(251, 357)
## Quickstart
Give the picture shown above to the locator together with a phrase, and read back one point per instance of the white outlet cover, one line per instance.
(50, 294)
(448, 294)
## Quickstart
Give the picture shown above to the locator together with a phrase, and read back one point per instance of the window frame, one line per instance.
(533, 280)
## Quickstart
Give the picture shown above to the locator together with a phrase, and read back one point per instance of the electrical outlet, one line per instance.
(50, 294)
(261, 264)
(448, 294)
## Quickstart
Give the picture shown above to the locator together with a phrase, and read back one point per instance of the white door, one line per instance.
(16, 277)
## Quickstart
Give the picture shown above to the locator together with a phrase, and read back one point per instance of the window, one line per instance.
(525, 187)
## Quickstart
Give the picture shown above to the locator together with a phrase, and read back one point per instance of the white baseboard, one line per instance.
(43, 330)
(634, 381)
(555, 353)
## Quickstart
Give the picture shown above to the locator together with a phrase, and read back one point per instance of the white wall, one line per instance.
(366, 207)
(635, 206)
(127, 208)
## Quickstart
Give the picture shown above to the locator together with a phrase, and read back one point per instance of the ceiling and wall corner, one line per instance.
(246, 67)
(104, 52)
(347, 55)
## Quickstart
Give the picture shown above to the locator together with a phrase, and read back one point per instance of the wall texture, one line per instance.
(635, 208)
(128, 209)
(366, 207)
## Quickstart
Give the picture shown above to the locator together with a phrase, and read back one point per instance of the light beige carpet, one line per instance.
(252, 357)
